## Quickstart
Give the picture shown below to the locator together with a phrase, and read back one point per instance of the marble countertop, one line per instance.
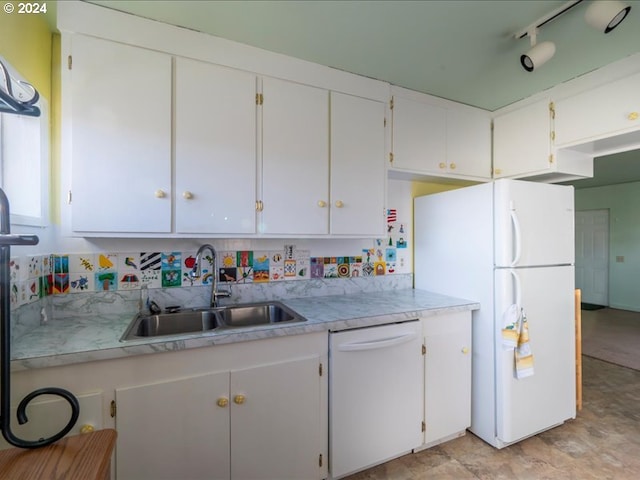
(97, 337)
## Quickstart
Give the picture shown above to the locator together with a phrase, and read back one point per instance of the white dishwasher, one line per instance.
(376, 403)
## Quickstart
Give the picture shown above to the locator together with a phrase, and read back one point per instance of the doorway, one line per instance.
(592, 255)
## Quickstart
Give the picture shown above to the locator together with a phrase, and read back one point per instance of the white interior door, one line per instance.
(592, 255)
(529, 405)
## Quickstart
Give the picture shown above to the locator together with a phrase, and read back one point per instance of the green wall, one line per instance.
(623, 202)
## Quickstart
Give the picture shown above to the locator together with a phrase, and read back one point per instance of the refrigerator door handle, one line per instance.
(517, 288)
(516, 235)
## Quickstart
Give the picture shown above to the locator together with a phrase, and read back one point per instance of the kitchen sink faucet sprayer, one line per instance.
(196, 272)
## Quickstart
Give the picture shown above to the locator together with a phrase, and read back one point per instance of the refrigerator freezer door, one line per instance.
(547, 398)
(533, 224)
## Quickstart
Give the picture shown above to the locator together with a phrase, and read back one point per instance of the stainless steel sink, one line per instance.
(188, 322)
(257, 314)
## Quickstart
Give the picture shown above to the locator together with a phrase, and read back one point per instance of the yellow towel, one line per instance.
(515, 335)
(523, 355)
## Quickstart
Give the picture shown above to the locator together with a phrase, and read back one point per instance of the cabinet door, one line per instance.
(47, 417)
(121, 138)
(277, 427)
(522, 141)
(215, 149)
(468, 143)
(447, 376)
(357, 165)
(295, 159)
(605, 110)
(419, 136)
(174, 429)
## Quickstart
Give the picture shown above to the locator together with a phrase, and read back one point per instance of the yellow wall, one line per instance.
(25, 42)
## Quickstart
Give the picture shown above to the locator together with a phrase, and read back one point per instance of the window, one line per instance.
(24, 165)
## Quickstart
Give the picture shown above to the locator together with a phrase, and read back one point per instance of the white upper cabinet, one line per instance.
(607, 110)
(121, 137)
(419, 133)
(451, 140)
(523, 147)
(468, 143)
(357, 165)
(522, 140)
(215, 149)
(295, 159)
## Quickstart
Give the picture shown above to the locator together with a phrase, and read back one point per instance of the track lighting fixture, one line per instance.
(603, 15)
(606, 15)
(538, 55)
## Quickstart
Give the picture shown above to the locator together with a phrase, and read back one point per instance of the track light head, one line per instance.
(605, 15)
(539, 53)
(537, 56)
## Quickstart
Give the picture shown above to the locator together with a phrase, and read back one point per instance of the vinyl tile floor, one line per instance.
(603, 442)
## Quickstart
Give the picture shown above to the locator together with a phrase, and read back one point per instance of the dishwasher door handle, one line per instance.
(382, 343)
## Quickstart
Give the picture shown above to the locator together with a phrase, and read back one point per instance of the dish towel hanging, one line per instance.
(515, 335)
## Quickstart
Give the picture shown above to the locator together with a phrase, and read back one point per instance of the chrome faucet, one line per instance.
(196, 272)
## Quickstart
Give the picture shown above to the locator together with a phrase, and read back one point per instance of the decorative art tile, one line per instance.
(276, 274)
(316, 268)
(82, 263)
(244, 259)
(106, 281)
(60, 283)
(227, 259)
(128, 262)
(34, 269)
(229, 275)
(82, 282)
(171, 261)
(246, 274)
(150, 260)
(107, 262)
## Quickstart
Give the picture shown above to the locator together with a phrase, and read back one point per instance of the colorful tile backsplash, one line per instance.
(60, 274)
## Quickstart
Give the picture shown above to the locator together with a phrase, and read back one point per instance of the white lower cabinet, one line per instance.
(48, 415)
(447, 377)
(262, 422)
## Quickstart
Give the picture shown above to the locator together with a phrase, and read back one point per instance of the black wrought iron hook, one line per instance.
(6, 240)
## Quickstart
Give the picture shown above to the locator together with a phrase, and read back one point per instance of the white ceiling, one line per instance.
(460, 50)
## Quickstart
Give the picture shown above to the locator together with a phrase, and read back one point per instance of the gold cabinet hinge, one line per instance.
(424, 349)
(69, 197)
(391, 104)
(259, 99)
(424, 426)
(320, 370)
(391, 157)
(259, 206)
(553, 135)
(552, 110)
(320, 460)
(69, 62)
(113, 409)
(551, 158)
(385, 122)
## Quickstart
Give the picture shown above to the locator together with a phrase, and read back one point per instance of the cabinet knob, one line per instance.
(322, 203)
(238, 399)
(87, 428)
(465, 350)
(222, 402)
(339, 204)
(159, 194)
(452, 166)
(442, 165)
(497, 171)
(633, 116)
(187, 195)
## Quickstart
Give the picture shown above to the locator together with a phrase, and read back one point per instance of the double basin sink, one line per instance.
(187, 322)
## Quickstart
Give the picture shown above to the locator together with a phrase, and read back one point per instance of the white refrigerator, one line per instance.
(503, 243)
